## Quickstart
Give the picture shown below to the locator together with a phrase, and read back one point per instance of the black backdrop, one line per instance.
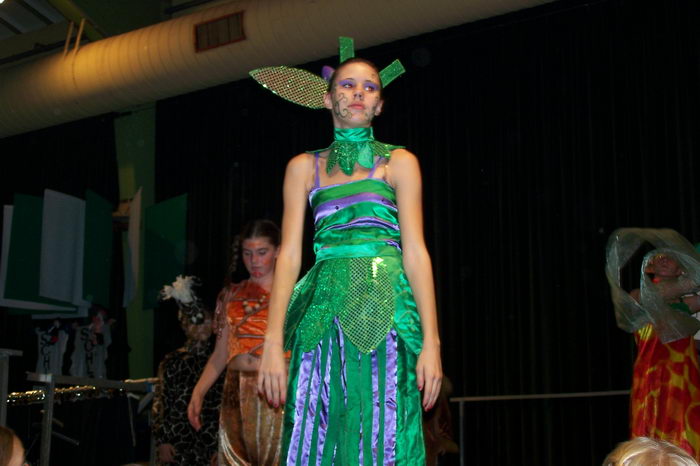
(69, 158)
(538, 132)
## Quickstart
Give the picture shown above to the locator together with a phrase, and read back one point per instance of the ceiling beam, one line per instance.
(72, 12)
(184, 6)
(9, 26)
(38, 49)
(38, 14)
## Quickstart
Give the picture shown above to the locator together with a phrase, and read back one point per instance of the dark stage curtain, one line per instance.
(539, 133)
(69, 158)
(226, 147)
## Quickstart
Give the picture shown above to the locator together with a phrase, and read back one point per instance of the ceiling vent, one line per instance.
(162, 60)
(220, 31)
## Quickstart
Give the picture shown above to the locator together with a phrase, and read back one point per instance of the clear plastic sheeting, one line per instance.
(670, 324)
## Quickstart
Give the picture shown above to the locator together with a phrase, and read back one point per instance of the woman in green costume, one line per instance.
(362, 323)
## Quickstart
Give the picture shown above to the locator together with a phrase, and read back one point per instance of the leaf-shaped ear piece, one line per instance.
(293, 84)
(327, 73)
(307, 89)
(346, 46)
(391, 72)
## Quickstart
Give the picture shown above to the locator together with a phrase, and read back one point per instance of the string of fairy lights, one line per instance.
(68, 395)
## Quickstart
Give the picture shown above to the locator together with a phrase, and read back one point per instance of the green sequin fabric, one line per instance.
(355, 145)
(359, 276)
(307, 89)
(360, 292)
(391, 72)
(368, 294)
(293, 84)
(346, 48)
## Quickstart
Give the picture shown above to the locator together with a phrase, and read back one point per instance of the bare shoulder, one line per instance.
(300, 165)
(302, 161)
(402, 157)
(300, 171)
(403, 165)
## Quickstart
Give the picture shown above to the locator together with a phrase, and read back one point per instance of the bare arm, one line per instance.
(272, 377)
(693, 302)
(404, 174)
(212, 370)
(673, 291)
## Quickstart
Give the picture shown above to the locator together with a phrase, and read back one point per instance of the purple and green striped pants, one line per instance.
(345, 407)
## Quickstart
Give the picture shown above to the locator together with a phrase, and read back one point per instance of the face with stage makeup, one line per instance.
(259, 256)
(663, 266)
(201, 331)
(355, 96)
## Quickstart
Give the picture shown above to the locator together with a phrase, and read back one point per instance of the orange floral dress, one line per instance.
(665, 398)
(250, 431)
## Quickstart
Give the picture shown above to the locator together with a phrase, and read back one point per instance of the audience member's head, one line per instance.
(644, 451)
(11, 449)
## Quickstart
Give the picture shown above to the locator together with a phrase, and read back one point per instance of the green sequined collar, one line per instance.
(355, 145)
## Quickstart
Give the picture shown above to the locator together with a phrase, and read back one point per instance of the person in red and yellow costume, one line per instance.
(665, 398)
(665, 395)
(249, 429)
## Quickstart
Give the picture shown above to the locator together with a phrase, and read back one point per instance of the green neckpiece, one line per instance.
(355, 145)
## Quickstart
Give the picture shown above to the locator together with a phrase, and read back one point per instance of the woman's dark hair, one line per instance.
(348, 62)
(195, 316)
(7, 437)
(260, 228)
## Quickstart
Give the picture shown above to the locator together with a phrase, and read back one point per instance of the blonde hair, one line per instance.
(645, 451)
(7, 438)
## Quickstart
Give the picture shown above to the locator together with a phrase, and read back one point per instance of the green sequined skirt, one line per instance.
(368, 295)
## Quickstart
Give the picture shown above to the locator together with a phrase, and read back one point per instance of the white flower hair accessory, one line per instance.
(181, 291)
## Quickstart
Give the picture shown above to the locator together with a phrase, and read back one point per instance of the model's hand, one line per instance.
(429, 374)
(272, 377)
(686, 285)
(166, 453)
(194, 409)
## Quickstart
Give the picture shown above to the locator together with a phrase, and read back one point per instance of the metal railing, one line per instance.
(51, 380)
(537, 396)
(4, 380)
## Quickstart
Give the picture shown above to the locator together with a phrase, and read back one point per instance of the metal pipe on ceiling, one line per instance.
(160, 61)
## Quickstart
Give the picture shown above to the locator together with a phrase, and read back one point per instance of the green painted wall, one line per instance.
(135, 135)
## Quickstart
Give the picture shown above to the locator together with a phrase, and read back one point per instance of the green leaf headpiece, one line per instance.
(306, 89)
